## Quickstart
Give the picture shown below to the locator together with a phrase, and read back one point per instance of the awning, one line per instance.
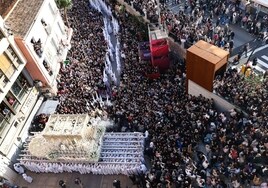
(262, 2)
(48, 107)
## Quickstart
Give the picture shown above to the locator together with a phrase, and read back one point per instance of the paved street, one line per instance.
(261, 53)
(241, 36)
(50, 180)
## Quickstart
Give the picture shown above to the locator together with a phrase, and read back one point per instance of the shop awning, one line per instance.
(262, 2)
(48, 107)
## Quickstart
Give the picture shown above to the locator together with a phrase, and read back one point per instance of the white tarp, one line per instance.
(262, 2)
(48, 107)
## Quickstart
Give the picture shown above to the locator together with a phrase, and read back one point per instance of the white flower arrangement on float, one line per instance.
(62, 143)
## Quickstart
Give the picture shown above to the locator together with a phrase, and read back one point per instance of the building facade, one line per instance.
(33, 43)
(43, 38)
(18, 97)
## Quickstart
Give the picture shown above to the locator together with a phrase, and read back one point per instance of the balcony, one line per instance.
(46, 27)
(37, 45)
(48, 68)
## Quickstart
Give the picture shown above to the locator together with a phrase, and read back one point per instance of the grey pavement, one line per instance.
(241, 35)
(261, 53)
(49, 180)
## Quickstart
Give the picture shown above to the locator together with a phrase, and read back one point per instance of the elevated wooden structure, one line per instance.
(203, 60)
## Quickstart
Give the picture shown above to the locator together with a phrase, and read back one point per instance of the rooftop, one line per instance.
(23, 15)
(208, 51)
(6, 6)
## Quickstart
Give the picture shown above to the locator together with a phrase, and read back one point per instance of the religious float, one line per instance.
(80, 143)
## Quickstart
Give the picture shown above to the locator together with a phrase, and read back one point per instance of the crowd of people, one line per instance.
(80, 78)
(190, 144)
(204, 19)
(201, 23)
(249, 93)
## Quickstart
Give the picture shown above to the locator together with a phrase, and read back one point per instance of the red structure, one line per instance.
(159, 53)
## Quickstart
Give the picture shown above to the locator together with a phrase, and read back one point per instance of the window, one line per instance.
(48, 67)
(13, 56)
(54, 46)
(3, 123)
(6, 66)
(1, 35)
(46, 26)
(61, 29)
(12, 101)
(5, 116)
(16, 88)
(52, 10)
(37, 45)
(43, 22)
(12, 52)
(19, 88)
(3, 79)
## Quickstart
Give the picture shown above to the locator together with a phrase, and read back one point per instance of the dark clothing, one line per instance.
(232, 34)
(245, 50)
(116, 184)
(231, 44)
(62, 184)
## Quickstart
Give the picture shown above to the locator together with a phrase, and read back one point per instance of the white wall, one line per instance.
(50, 40)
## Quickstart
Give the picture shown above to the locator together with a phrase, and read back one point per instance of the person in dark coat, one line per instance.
(116, 184)
(232, 34)
(62, 184)
(245, 50)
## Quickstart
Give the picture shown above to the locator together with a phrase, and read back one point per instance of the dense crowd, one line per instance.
(249, 93)
(204, 19)
(189, 143)
(146, 8)
(80, 78)
(201, 23)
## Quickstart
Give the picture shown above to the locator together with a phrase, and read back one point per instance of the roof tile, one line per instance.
(23, 15)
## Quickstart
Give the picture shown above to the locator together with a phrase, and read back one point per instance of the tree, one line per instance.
(64, 4)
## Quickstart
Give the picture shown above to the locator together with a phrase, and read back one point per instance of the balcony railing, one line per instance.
(37, 45)
(48, 68)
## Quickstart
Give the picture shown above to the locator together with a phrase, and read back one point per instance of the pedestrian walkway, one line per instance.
(262, 63)
(50, 180)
